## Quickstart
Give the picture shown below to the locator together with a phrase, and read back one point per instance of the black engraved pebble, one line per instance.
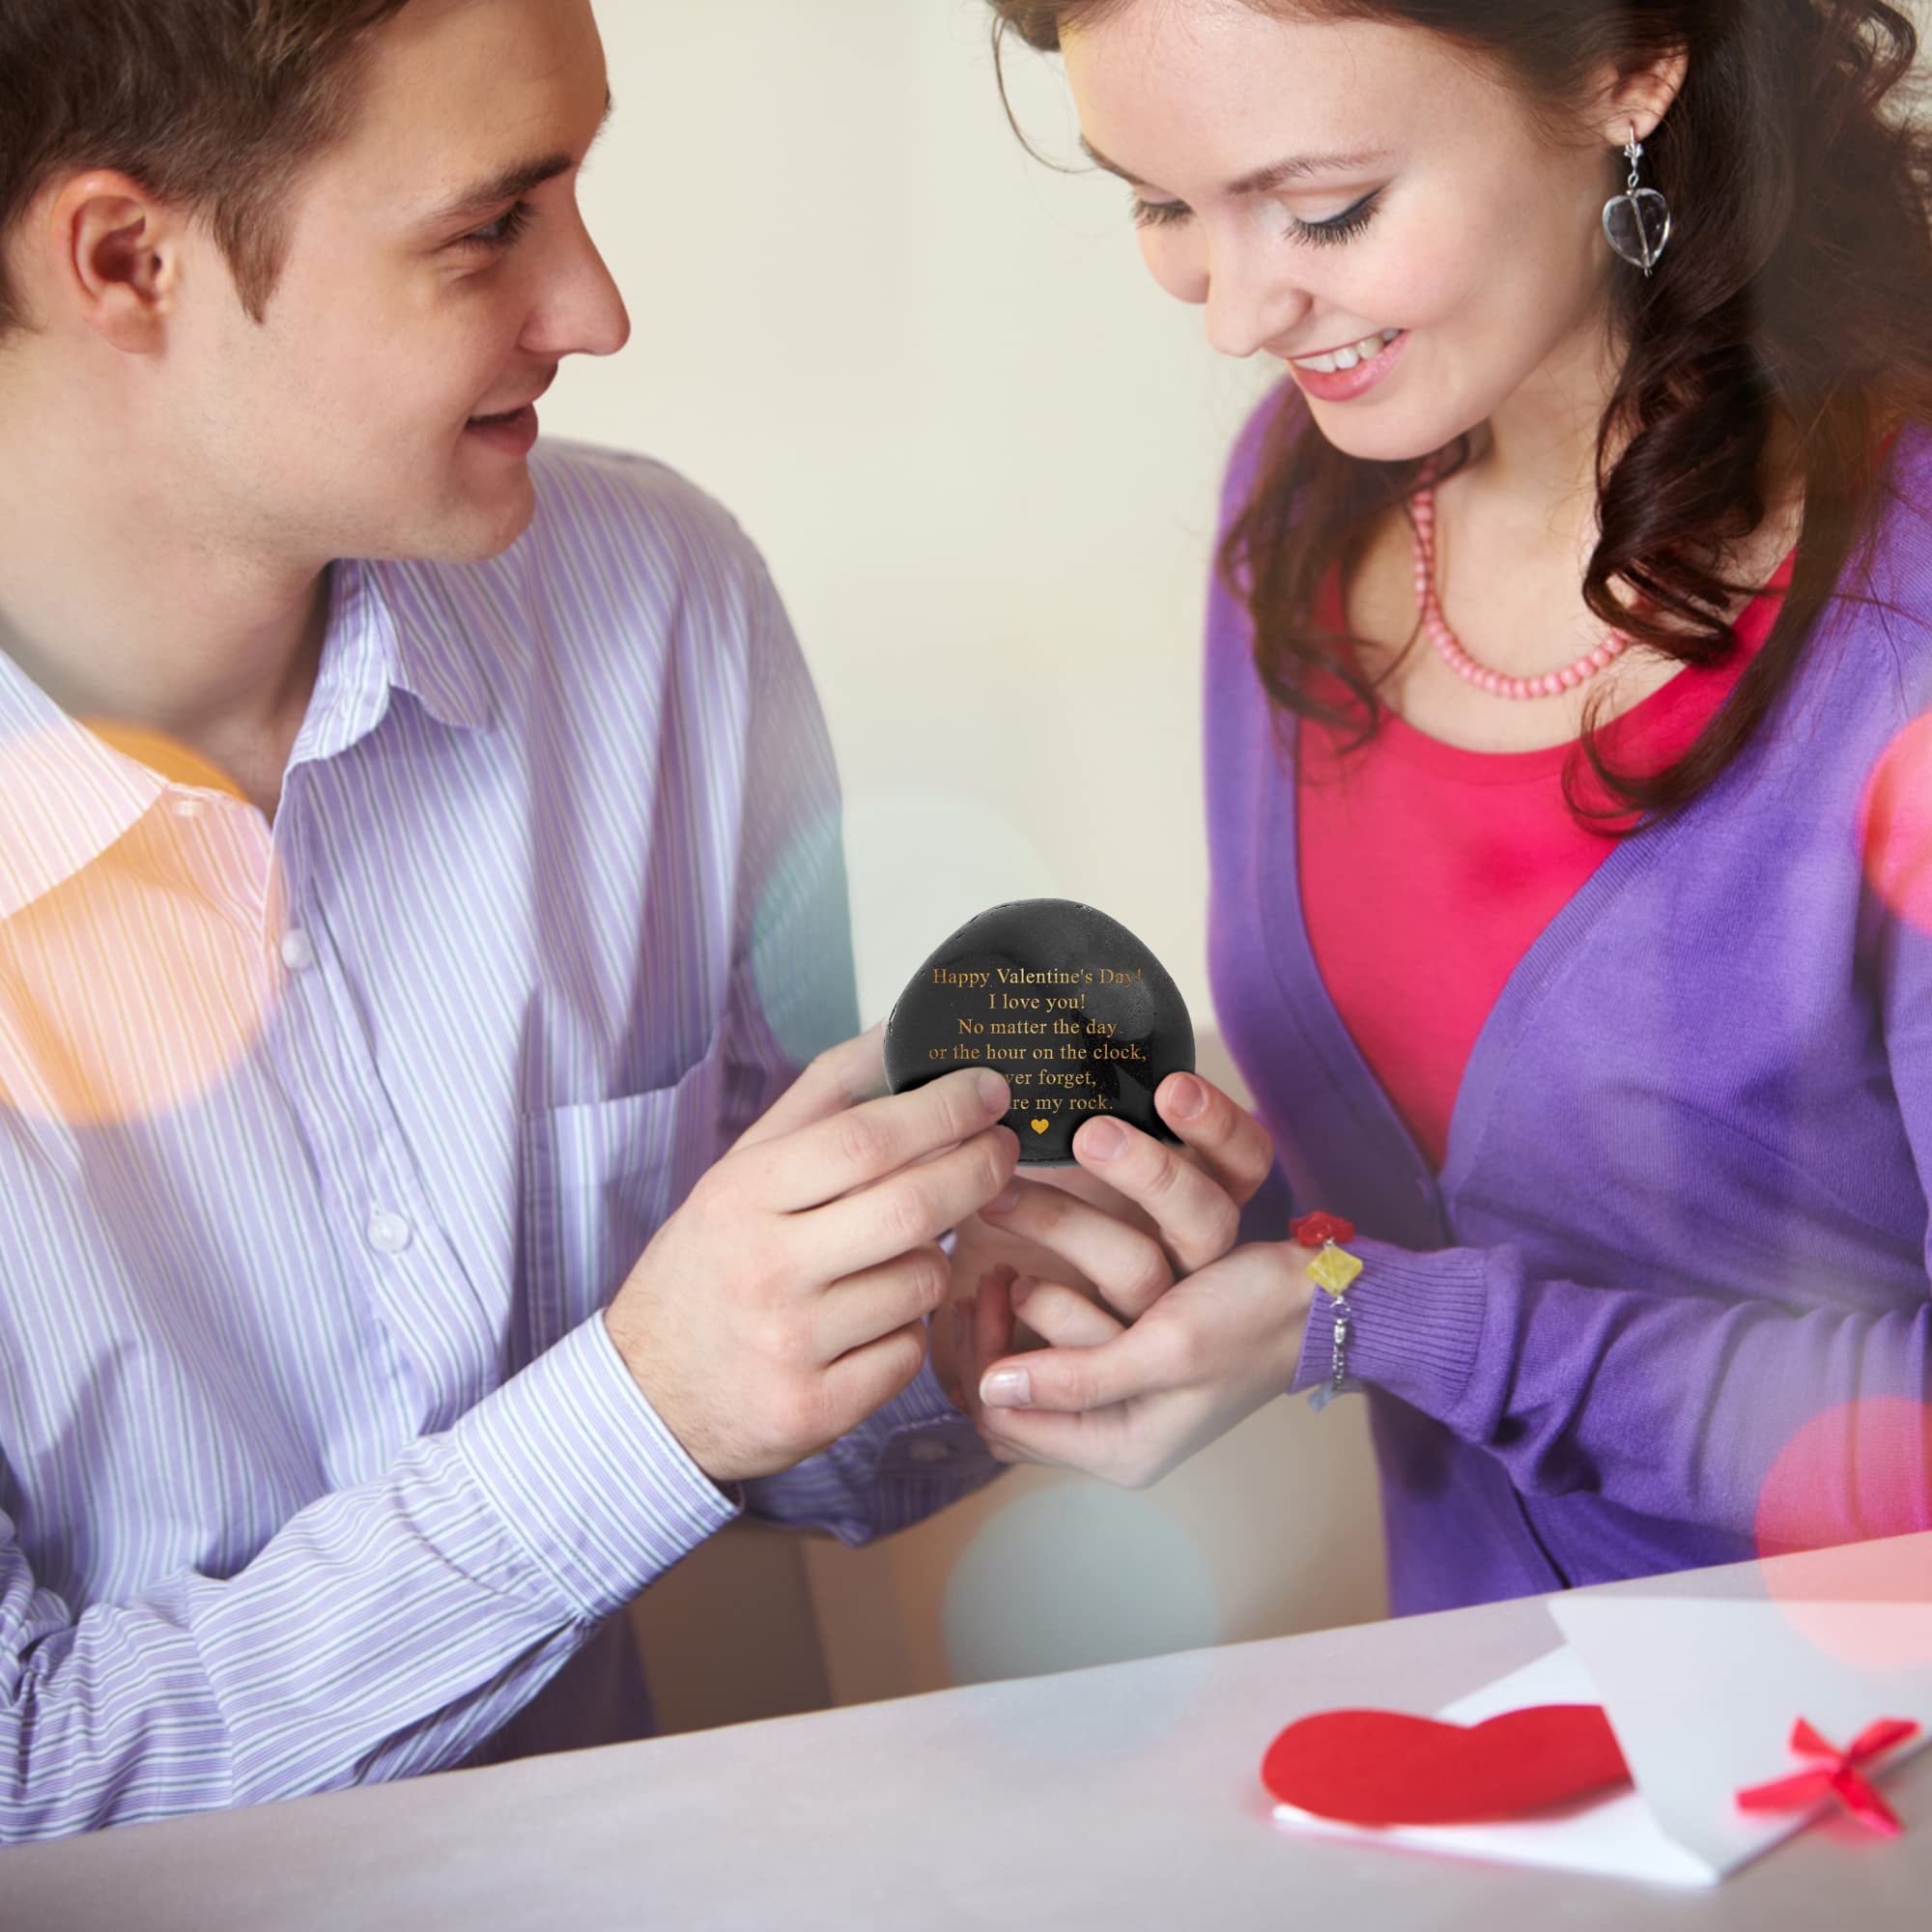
(1052, 974)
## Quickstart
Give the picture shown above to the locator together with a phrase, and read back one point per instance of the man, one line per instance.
(420, 875)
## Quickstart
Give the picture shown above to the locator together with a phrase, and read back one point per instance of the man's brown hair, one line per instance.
(213, 105)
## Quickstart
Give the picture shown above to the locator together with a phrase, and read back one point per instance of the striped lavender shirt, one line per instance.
(322, 1146)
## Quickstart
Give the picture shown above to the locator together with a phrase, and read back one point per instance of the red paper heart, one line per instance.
(1387, 1767)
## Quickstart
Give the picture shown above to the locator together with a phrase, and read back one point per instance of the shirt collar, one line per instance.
(67, 795)
(417, 642)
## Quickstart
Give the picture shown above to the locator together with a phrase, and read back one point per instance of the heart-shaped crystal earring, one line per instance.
(1638, 222)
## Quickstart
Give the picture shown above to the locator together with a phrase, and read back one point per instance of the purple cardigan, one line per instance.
(1683, 1207)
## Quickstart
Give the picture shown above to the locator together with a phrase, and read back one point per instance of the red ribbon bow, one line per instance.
(1835, 1776)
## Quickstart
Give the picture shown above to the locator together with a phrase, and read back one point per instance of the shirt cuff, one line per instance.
(582, 1468)
(1415, 1325)
(930, 1454)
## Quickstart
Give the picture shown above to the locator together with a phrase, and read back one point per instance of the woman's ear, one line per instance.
(1643, 98)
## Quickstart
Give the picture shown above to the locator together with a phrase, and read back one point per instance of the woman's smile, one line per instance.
(1342, 375)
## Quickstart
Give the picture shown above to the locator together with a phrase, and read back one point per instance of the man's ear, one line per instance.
(114, 258)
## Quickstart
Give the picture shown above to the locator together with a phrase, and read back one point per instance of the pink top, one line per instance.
(1427, 870)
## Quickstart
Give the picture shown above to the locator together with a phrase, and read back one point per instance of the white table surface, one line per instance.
(1123, 1795)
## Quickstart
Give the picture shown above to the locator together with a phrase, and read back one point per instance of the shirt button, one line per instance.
(389, 1233)
(187, 808)
(928, 1449)
(297, 950)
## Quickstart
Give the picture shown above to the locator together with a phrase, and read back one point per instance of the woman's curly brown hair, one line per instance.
(1798, 285)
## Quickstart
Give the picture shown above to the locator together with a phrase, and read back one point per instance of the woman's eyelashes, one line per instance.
(1350, 222)
(500, 233)
(1338, 228)
(1157, 213)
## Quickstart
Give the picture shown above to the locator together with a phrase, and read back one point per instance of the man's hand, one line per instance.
(786, 1298)
(1232, 1158)
(1123, 1228)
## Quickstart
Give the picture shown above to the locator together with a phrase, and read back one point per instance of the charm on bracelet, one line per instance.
(1334, 1271)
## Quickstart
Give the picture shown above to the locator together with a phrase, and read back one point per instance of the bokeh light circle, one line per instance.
(1857, 1473)
(134, 984)
(1895, 825)
(1067, 1577)
(861, 898)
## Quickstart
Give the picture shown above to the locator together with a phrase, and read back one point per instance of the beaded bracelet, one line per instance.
(1334, 1269)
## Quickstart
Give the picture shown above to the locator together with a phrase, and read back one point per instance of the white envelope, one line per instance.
(1701, 1694)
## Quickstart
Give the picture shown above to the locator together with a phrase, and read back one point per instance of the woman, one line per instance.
(1568, 680)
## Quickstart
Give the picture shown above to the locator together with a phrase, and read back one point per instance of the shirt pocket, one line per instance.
(599, 1179)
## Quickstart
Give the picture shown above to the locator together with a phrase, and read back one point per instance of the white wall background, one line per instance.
(980, 449)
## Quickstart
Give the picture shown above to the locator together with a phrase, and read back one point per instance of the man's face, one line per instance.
(341, 426)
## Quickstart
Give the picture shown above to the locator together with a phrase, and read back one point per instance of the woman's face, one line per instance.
(1322, 186)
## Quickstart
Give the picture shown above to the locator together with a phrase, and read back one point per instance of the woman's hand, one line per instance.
(1128, 1404)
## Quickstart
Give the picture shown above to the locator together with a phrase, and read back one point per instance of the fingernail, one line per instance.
(991, 1088)
(1187, 1097)
(1007, 1388)
(1007, 1196)
(1102, 1140)
(1023, 1285)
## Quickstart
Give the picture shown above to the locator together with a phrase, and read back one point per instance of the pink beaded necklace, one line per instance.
(1422, 506)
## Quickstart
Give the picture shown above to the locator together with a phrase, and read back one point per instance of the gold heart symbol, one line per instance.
(1038, 1126)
